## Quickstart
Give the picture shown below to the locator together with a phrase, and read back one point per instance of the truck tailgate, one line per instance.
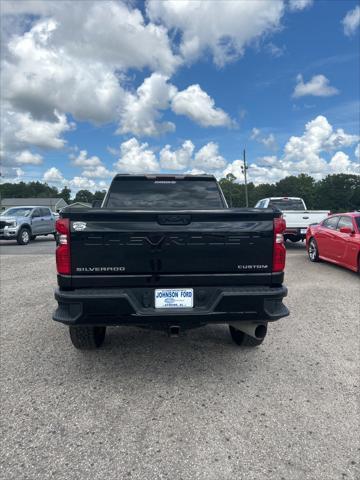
(298, 219)
(120, 243)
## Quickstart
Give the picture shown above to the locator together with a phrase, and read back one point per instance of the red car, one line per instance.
(336, 239)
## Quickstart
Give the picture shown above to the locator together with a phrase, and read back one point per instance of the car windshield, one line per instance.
(145, 194)
(357, 220)
(287, 204)
(17, 212)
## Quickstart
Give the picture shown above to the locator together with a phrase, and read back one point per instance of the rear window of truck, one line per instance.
(145, 194)
(287, 204)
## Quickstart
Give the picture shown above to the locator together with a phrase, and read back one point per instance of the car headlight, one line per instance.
(12, 224)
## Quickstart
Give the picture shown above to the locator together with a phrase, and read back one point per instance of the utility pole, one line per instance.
(244, 170)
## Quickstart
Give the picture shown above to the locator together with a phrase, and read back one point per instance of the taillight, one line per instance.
(63, 249)
(279, 253)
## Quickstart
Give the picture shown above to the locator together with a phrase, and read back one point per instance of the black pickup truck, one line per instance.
(166, 252)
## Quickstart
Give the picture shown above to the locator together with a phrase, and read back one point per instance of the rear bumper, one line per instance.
(295, 232)
(135, 306)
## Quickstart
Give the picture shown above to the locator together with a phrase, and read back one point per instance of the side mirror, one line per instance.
(96, 204)
(348, 230)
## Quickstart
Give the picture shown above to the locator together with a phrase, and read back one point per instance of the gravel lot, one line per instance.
(42, 245)
(195, 407)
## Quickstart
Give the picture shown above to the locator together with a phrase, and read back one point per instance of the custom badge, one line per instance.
(79, 226)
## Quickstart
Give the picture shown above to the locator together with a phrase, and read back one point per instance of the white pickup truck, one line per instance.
(296, 215)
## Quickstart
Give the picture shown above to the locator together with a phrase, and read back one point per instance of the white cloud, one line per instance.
(340, 163)
(303, 154)
(234, 168)
(136, 158)
(28, 158)
(357, 151)
(92, 166)
(208, 158)
(274, 50)
(140, 113)
(177, 159)
(224, 28)
(195, 171)
(318, 86)
(81, 183)
(199, 106)
(40, 132)
(53, 175)
(318, 137)
(82, 160)
(69, 62)
(299, 4)
(268, 141)
(351, 21)
(255, 133)
(98, 172)
(42, 77)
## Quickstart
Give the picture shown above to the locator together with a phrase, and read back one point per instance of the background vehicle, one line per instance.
(336, 239)
(25, 223)
(165, 252)
(296, 215)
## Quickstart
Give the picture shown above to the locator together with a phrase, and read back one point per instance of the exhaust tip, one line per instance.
(260, 331)
(174, 331)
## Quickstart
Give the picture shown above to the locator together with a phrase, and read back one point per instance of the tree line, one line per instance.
(43, 190)
(338, 192)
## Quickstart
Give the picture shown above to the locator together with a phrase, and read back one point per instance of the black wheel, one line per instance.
(295, 239)
(32, 238)
(87, 338)
(245, 340)
(313, 250)
(23, 237)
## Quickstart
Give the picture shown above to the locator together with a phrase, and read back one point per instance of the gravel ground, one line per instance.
(195, 407)
(41, 246)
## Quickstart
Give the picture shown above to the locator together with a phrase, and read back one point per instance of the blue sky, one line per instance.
(94, 88)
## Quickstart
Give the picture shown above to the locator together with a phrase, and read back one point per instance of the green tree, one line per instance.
(339, 193)
(30, 189)
(84, 196)
(65, 194)
(99, 195)
(301, 186)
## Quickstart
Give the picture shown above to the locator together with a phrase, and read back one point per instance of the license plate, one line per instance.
(303, 231)
(174, 298)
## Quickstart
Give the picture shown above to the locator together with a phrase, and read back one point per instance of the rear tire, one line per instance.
(243, 339)
(295, 239)
(87, 338)
(313, 250)
(23, 237)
